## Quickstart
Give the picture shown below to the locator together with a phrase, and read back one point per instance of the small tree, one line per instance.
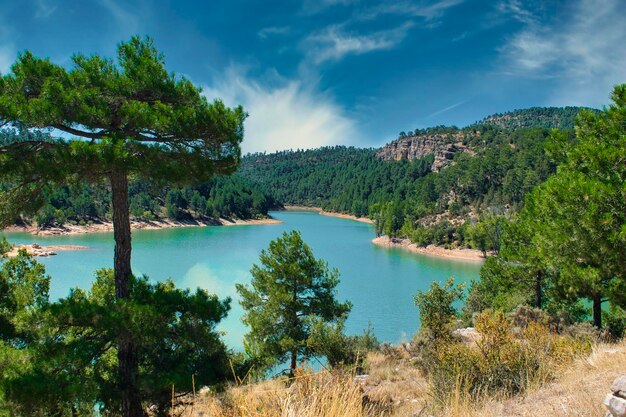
(290, 291)
(436, 309)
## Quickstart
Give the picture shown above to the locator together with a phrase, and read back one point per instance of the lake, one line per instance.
(380, 282)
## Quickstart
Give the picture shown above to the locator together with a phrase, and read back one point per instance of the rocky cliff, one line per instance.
(442, 145)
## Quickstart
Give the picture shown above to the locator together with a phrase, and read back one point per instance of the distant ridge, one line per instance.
(542, 117)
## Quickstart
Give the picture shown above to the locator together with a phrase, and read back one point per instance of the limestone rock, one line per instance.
(615, 405)
(467, 335)
(442, 145)
(619, 386)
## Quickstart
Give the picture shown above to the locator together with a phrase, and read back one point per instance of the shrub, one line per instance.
(340, 349)
(436, 310)
(5, 246)
(502, 363)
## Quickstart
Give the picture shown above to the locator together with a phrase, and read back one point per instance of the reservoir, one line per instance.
(380, 282)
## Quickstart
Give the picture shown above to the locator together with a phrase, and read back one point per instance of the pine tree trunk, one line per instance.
(597, 311)
(121, 232)
(294, 364)
(126, 355)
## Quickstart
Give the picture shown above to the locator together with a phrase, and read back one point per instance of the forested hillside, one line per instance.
(546, 117)
(83, 202)
(486, 177)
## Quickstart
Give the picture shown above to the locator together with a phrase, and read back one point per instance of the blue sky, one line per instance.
(354, 72)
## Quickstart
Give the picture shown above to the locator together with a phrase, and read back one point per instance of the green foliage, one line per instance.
(576, 220)
(403, 197)
(24, 288)
(290, 292)
(73, 360)
(127, 117)
(139, 118)
(500, 363)
(543, 117)
(339, 349)
(5, 246)
(436, 310)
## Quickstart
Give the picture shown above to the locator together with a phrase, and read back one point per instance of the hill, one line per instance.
(486, 170)
(544, 117)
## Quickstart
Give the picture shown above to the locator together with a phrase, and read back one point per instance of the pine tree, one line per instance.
(130, 118)
(290, 291)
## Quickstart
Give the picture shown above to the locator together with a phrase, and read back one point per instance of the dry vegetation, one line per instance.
(396, 387)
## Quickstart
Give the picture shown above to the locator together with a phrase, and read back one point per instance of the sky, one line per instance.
(314, 73)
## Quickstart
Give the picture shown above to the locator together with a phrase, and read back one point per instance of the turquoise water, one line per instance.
(380, 282)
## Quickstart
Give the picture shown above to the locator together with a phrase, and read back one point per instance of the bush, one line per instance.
(5, 246)
(501, 363)
(340, 349)
(436, 310)
(615, 322)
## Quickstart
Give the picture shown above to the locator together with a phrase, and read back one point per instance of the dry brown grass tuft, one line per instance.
(307, 395)
(396, 388)
(578, 391)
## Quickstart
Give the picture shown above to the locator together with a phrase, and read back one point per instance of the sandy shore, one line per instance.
(329, 213)
(39, 250)
(431, 250)
(100, 227)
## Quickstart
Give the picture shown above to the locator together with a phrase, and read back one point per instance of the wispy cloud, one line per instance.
(446, 109)
(425, 9)
(333, 43)
(310, 7)
(125, 19)
(586, 51)
(43, 9)
(273, 30)
(518, 11)
(287, 116)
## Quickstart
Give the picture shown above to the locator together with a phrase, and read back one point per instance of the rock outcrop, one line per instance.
(442, 145)
(616, 401)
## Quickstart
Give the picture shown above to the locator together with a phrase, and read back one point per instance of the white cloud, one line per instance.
(446, 109)
(126, 20)
(586, 51)
(515, 9)
(44, 9)
(273, 30)
(426, 9)
(333, 43)
(289, 116)
(317, 6)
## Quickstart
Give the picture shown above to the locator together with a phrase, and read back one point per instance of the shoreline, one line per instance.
(107, 227)
(470, 255)
(42, 251)
(322, 212)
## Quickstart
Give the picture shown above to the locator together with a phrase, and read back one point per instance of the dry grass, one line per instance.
(307, 395)
(578, 391)
(396, 388)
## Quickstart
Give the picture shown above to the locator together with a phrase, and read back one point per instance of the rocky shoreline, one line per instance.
(431, 250)
(103, 227)
(42, 251)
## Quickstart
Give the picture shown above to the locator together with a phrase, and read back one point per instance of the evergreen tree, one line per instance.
(132, 118)
(289, 293)
(578, 217)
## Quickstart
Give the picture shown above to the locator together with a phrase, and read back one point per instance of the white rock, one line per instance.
(619, 386)
(616, 405)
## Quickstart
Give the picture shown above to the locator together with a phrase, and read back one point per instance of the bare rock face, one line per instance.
(616, 402)
(442, 145)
